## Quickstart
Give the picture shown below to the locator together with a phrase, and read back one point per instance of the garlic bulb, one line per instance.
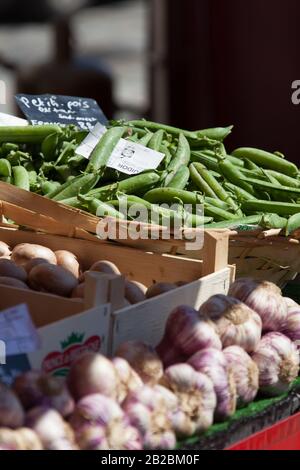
(92, 373)
(100, 424)
(290, 302)
(11, 411)
(53, 431)
(264, 298)
(212, 363)
(37, 389)
(235, 323)
(245, 373)
(277, 359)
(20, 439)
(143, 359)
(186, 334)
(291, 326)
(147, 411)
(196, 399)
(128, 378)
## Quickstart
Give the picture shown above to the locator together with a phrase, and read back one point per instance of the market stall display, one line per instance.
(156, 400)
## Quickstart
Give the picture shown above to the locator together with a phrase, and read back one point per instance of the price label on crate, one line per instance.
(62, 110)
(18, 334)
(8, 120)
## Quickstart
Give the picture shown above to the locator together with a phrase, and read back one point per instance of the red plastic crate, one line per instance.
(284, 435)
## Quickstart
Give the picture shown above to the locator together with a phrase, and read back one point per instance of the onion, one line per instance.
(24, 252)
(37, 389)
(277, 359)
(100, 424)
(69, 261)
(212, 363)
(92, 373)
(185, 334)
(128, 379)
(147, 411)
(143, 359)
(11, 411)
(245, 373)
(235, 323)
(53, 431)
(263, 297)
(196, 399)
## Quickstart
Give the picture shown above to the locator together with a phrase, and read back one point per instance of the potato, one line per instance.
(5, 251)
(24, 252)
(159, 288)
(106, 267)
(135, 292)
(78, 292)
(53, 279)
(10, 281)
(34, 262)
(9, 269)
(69, 261)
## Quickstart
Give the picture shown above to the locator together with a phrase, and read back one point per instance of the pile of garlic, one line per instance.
(209, 363)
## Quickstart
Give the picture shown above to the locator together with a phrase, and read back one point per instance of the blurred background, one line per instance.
(190, 63)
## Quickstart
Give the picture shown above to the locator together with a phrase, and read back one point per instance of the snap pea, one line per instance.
(180, 178)
(234, 175)
(200, 182)
(274, 207)
(20, 177)
(27, 134)
(156, 140)
(182, 156)
(217, 213)
(5, 167)
(145, 139)
(104, 149)
(293, 224)
(251, 220)
(217, 188)
(267, 160)
(171, 195)
(82, 184)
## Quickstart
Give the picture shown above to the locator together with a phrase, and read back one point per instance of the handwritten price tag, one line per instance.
(62, 110)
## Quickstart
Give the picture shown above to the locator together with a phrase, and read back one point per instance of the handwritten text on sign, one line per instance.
(62, 110)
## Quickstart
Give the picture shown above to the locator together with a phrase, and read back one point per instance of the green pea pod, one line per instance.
(156, 141)
(49, 147)
(270, 221)
(241, 194)
(102, 209)
(273, 207)
(104, 149)
(48, 187)
(171, 195)
(145, 139)
(7, 179)
(21, 177)
(234, 175)
(211, 163)
(233, 224)
(267, 160)
(135, 185)
(200, 183)
(218, 214)
(293, 224)
(27, 134)
(182, 156)
(67, 152)
(5, 167)
(180, 179)
(83, 185)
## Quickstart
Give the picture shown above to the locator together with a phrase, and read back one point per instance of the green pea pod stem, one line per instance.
(104, 149)
(273, 207)
(267, 160)
(78, 185)
(240, 193)
(212, 153)
(5, 167)
(200, 182)
(21, 177)
(251, 220)
(180, 179)
(293, 224)
(27, 134)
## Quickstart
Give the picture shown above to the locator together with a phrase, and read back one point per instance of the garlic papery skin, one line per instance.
(38, 389)
(277, 359)
(212, 363)
(245, 373)
(263, 297)
(52, 430)
(236, 324)
(291, 327)
(128, 378)
(21, 439)
(196, 399)
(100, 424)
(290, 303)
(147, 411)
(186, 334)
(92, 373)
(143, 359)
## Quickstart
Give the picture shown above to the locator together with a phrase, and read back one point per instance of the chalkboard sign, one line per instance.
(63, 110)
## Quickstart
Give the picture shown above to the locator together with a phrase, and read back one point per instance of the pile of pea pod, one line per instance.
(245, 187)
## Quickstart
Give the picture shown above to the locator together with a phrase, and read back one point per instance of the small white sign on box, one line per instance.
(132, 158)
(86, 148)
(8, 120)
